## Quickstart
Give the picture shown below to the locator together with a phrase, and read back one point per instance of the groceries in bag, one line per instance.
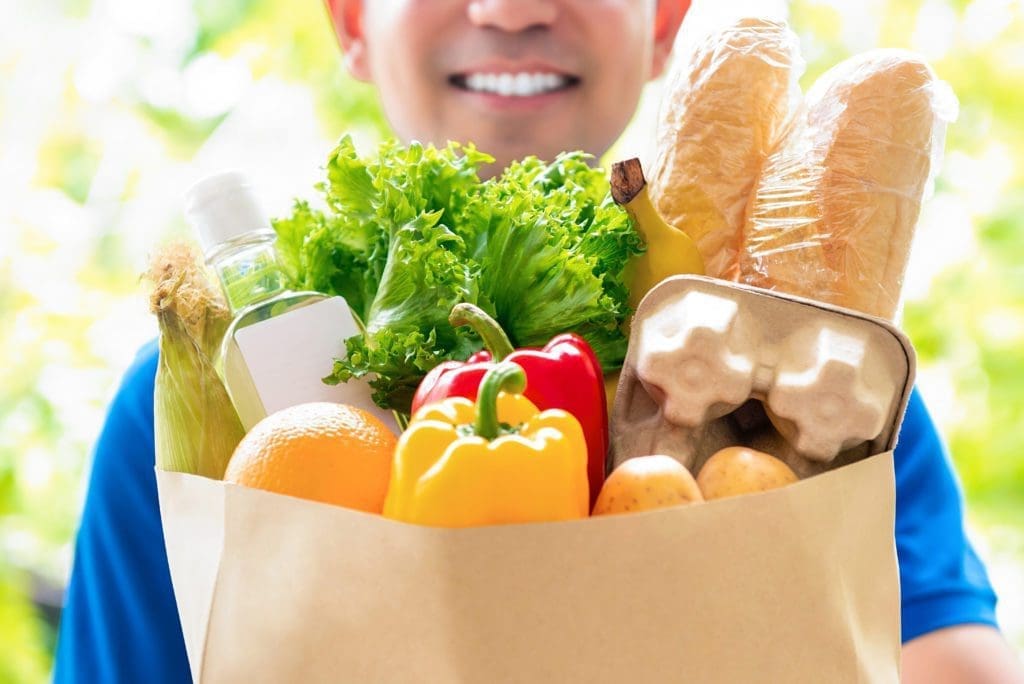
(728, 100)
(737, 470)
(195, 425)
(669, 251)
(275, 351)
(320, 451)
(816, 196)
(412, 231)
(837, 203)
(493, 461)
(563, 374)
(645, 483)
(713, 364)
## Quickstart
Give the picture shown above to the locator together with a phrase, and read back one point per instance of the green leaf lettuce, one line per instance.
(412, 231)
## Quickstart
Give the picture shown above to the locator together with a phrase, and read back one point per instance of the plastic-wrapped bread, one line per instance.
(726, 104)
(835, 210)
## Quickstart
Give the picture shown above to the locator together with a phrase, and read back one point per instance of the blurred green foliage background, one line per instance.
(109, 109)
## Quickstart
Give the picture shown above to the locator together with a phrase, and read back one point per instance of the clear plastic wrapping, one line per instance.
(727, 101)
(834, 211)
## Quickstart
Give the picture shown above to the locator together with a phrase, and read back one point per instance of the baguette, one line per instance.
(835, 210)
(726, 104)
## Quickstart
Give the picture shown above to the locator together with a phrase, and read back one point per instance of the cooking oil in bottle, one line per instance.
(281, 342)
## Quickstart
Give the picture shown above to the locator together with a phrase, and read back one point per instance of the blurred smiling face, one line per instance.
(515, 77)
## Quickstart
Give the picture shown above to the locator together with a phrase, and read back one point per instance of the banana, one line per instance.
(670, 251)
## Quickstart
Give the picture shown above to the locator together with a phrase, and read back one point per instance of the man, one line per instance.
(516, 77)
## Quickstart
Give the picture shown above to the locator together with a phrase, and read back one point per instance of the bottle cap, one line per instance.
(222, 207)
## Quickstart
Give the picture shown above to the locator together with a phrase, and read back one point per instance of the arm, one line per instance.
(120, 620)
(968, 653)
(948, 606)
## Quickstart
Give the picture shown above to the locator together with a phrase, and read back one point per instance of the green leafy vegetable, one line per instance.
(412, 231)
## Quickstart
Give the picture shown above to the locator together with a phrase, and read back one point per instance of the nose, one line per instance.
(512, 15)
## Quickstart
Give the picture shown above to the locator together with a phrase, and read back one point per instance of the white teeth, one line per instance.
(506, 82)
(515, 85)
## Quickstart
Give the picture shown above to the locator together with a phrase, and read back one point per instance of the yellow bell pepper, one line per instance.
(497, 461)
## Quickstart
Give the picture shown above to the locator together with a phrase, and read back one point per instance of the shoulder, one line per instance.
(126, 440)
(145, 361)
(136, 388)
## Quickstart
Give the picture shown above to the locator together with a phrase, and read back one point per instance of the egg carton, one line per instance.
(713, 364)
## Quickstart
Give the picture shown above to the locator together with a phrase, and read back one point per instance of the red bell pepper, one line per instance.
(565, 374)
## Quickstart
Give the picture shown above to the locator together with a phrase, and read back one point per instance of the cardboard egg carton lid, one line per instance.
(713, 363)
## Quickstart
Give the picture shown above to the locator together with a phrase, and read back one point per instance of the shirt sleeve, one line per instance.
(120, 621)
(942, 581)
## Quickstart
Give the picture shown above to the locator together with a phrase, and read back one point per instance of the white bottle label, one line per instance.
(289, 355)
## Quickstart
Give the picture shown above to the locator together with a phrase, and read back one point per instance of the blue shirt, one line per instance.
(120, 622)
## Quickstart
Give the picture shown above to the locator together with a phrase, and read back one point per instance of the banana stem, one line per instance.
(627, 180)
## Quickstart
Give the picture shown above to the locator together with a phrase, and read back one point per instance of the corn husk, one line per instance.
(196, 426)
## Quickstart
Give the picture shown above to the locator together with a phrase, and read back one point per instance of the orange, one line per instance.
(333, 453)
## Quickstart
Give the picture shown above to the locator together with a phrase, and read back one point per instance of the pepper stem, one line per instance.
(507, 376)
(489, 330)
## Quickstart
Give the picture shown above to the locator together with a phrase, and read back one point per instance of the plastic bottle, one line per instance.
(272, 355)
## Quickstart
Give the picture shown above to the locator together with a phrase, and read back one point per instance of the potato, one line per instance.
(737, 470)
(644, 483)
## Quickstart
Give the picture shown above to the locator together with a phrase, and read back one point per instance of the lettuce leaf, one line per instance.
(412, 231)
(552, 246)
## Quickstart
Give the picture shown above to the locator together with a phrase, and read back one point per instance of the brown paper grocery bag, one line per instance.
(793, 585)
(798, 584)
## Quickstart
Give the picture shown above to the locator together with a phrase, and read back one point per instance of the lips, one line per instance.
(514, 83)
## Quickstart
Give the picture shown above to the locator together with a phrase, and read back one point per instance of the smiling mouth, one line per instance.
(514, 84)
